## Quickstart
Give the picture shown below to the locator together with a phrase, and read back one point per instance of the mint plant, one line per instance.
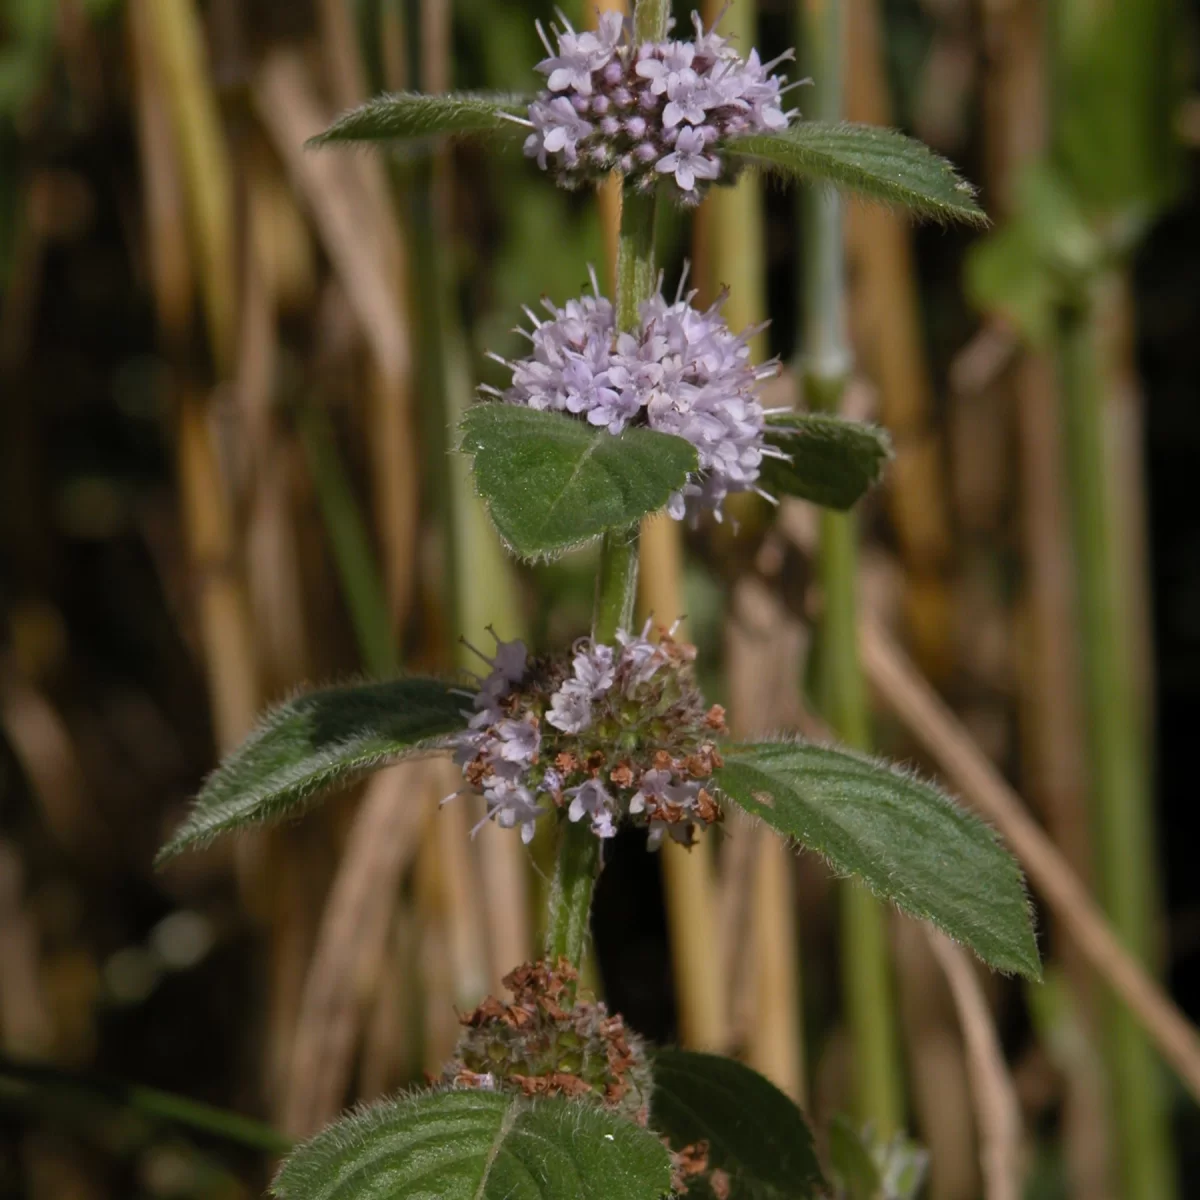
(621, 408)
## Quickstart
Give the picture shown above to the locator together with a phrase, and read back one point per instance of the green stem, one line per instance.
(571, 893)
(1121, 789)
(637, 271)
(616, 591)
(616, 584)
(826, 367)
(350, 543)
(51, 1086)
(650, 20)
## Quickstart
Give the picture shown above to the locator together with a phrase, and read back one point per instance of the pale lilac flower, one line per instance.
(559, 128)
(519, 741)
(640, 657)
(593, 665)
(570, 707)
(580, 54)
(592, 801)
(688, 162)
(512, 804)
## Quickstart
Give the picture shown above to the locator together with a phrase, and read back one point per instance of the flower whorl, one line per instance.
(652, 111)
(682, 372)
(618, 732)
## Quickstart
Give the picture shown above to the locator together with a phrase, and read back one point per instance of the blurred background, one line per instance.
(230, 370)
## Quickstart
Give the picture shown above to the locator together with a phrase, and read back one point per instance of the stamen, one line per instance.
(507, 116)
(545, 40)
(475, 650)
(687, 266)
(767, 496)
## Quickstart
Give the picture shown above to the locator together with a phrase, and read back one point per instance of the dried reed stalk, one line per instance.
(26, 1028)
(271, 551)
(997, 1110)
(226, 630)
(287, 105)
(937, 1066)
(43, 746)
(608, 195)
(392, 1032)
(352, 943)
(688, 879)
(914, 702)
(393, 447)
(888, 338)
(1054, 773)
(164, 205)
(168, 48)
(180, 53)
(765, 649)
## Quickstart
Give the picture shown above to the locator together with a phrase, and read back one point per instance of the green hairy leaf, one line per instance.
(834, 461)
(908, 841)
(404, 116)
(478, 1146)
(313, 742)
(878, 163)
(755, 1134)
(553, 482)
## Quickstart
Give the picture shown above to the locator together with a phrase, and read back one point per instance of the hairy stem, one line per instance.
(650, 20)
(637, 271)
(1121, 790)
(826, 368)
(571, 893)
(616, 591)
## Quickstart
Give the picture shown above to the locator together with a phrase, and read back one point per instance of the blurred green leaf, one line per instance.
(1041, 260)
(315, 742)
(907, 840)
(552, 482)
(478, 1146)
(878, 163)
(1120, 73)
(28, 50)
(853, 1169)
(404, 116)
(84, 1099)
(834, 462)
(754, 1132)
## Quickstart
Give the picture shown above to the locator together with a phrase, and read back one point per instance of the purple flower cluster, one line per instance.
(650, 111)
(542, 733)
(682, 371)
